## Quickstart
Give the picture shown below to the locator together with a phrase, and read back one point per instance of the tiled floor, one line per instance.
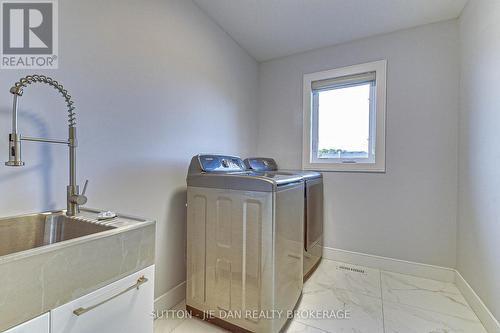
(378, 302)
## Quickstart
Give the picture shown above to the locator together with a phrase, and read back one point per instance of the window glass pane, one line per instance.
(344, 122)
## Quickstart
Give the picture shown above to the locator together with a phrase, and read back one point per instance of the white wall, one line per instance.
(410, 211)
(155, 82)
(479, 173)
(167, 83)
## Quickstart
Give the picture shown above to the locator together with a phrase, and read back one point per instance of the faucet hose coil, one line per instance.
(17, 89)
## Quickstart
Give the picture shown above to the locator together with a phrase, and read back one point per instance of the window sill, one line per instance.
(345, 167)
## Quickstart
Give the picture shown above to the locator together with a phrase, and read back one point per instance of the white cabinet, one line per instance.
(36, 325)
(123, 306)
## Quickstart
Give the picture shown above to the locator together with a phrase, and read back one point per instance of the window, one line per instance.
(344, 119)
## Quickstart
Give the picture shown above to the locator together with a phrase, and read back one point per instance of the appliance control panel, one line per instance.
(261, 164)
(221, 163)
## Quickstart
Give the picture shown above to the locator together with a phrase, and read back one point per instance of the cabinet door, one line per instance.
(123, 306)
(36, 325)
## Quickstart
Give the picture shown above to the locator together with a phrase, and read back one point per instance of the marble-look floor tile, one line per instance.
(171, 325)
(408, 305)
(426, 294)
(296, 327)
(195, 325)
(364, 312)
(169, 320)
(180, 306)
(166, 325)
(399, 318)
(336, 275)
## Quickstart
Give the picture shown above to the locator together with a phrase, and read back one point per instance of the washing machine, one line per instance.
(313, 208)
(244, 244)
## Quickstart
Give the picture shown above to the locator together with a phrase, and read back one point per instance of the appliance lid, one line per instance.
(269, 164)
(280, 178)
(307, 175)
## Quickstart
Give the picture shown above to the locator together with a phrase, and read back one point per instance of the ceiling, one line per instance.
(270, 29)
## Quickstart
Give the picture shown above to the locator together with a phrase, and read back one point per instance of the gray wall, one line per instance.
(479, 173)
(410, 211)
(155, 82)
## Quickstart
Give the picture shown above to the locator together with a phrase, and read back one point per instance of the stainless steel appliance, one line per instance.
(313, 208)
(244, 244)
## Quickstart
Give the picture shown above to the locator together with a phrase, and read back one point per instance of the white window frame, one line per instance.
(377, 122)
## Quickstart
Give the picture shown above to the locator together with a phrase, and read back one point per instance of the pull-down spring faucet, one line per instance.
(74, 199)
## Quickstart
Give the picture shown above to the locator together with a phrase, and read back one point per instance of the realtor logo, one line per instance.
(29, 34)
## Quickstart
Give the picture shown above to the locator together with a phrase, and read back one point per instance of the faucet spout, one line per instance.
(74, 199)
(14, 139)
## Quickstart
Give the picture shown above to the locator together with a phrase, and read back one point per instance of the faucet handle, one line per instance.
(85, 187)
(80, 199)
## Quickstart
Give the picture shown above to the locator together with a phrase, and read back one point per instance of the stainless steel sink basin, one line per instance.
(31, 231)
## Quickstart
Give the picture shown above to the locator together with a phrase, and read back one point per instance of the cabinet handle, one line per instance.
(139, 283)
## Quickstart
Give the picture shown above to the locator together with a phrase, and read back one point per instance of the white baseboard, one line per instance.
(171, 298)
(392, 265)
(490, 323)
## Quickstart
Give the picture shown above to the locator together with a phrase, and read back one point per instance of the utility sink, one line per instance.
(31, 231)
(48, 259)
